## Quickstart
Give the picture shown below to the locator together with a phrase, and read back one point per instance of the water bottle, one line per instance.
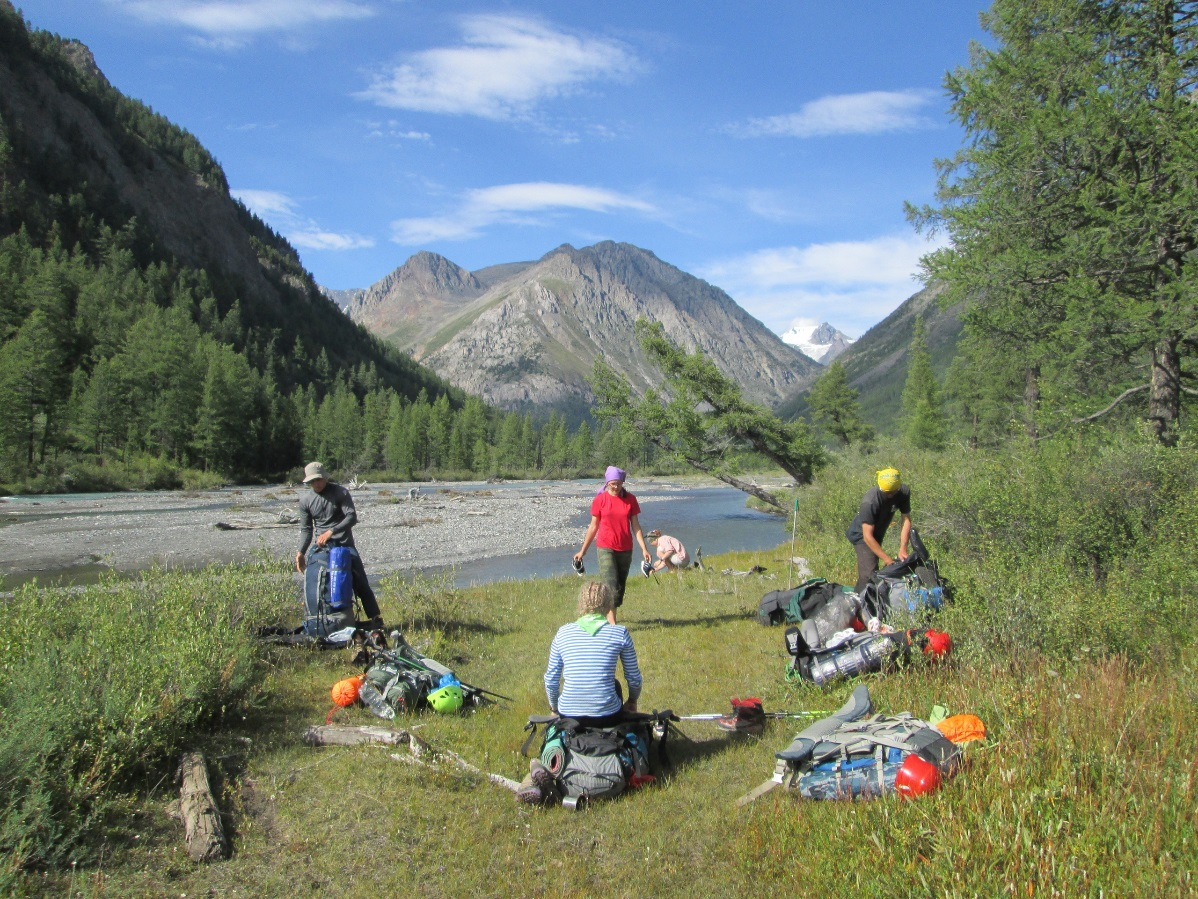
(373, 699)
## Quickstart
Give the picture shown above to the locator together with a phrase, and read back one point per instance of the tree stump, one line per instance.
(204, 833)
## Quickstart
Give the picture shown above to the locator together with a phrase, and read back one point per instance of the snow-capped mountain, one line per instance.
(820, 342)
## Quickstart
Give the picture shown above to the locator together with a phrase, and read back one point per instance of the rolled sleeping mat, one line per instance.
(858, 706)
(554, 758)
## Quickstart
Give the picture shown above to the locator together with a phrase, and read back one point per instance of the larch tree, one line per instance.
(701, 419)
(1072, 209)
(923, 412)
(835, 407)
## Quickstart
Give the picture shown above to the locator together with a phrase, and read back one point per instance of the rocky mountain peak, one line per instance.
(821, 342)
(531, 335)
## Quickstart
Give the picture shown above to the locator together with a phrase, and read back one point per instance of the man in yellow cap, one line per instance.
(868, 529)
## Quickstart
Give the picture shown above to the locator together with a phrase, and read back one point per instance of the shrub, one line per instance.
(101, 685)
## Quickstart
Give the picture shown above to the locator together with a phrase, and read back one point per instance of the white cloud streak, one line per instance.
(503, 68)
(872, 112)
(230, 23)
(282, 213)
(531, 203)
(852, 285)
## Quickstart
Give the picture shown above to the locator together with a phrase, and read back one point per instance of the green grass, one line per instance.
(1085, 785)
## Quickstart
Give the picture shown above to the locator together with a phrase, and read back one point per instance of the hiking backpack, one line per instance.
(907, 591)
(850, 756)
(798, 604)
(598, 762)
(321, 617)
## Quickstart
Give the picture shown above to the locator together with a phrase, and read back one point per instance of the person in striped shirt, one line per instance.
(580, 680)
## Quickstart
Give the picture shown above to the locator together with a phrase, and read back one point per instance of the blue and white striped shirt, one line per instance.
(589, 665)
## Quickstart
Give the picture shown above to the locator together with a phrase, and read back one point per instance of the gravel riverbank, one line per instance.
(401, 526)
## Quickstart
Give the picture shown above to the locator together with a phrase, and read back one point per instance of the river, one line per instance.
(485, 532)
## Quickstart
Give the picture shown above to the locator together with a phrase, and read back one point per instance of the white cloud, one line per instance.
(281, 212)
(526, 204)
(872, 112)
(852, 285)
(504, 66)
(231, 23)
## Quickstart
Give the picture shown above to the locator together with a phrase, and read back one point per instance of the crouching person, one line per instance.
(589, 749)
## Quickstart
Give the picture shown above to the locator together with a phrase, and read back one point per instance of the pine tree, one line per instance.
(923, 413)
(835, 406)
(1073, 208)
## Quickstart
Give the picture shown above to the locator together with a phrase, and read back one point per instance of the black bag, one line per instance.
(799, 604)
(320, 618)
(913, 585)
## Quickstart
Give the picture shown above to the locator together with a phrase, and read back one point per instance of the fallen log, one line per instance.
(204, 833)
(250, 525)
(419, 751)
(342, 735)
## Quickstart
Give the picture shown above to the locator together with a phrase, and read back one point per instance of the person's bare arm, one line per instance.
(867, 533)
(592, 529)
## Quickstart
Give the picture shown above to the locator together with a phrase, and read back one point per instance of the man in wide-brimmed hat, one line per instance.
(327, 517)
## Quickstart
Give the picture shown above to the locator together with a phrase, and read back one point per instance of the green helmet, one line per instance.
(446, 699)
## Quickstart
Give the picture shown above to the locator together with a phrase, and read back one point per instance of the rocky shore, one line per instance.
(401, 526)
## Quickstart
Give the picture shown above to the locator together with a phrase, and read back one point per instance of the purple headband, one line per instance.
(614, 474)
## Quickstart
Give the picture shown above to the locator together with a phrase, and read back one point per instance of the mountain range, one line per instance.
(526, 334)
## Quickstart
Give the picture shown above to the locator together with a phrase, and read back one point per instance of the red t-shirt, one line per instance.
(614, 514)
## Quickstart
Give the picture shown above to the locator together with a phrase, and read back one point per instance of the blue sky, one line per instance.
(764, 145)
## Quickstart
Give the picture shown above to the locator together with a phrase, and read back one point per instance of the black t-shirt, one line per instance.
(878, 509)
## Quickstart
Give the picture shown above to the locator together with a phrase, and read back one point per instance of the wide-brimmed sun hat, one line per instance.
(314, 471)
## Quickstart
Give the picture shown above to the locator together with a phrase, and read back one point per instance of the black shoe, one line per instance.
(374, 624)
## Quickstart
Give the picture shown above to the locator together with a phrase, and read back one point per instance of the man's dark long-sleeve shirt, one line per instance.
(331, 509)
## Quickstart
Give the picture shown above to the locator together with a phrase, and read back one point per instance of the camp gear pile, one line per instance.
(856, 754)
(589, 763)
(401, 680)
(834, 632)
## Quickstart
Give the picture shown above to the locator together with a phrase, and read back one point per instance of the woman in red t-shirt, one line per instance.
(614, 521)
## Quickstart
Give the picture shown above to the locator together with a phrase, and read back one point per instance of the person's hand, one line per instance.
(886, 560)
(630, 705)
(903, 554)
(648, 558)
(578, 556)
(323, 539)
(300, 562)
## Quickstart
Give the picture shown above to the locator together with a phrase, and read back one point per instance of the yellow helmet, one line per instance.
(889, 480)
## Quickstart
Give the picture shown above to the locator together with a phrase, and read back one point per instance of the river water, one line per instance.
(715, 520)
(485, 532)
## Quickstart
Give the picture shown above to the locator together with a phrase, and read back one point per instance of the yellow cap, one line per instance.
(889, 480)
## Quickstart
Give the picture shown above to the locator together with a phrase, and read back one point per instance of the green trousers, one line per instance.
(613, 571)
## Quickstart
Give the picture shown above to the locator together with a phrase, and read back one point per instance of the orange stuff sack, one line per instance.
(345, 691)
(962, 728)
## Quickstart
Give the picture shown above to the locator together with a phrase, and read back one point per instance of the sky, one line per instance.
(766, 146)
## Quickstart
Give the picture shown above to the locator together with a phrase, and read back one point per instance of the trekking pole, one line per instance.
(793, 529)
(814, 713)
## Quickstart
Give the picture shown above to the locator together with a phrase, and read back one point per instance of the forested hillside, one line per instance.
(148, 321)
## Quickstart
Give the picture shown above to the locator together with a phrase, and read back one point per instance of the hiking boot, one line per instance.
(545, 781)
(748, 717)
(374, 624)
(530, 793)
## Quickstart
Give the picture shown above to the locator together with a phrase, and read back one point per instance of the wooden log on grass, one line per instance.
(341, 735)
(419, 751)
(204, 833)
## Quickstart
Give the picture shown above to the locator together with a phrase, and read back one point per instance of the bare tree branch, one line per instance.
(1120, 398)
